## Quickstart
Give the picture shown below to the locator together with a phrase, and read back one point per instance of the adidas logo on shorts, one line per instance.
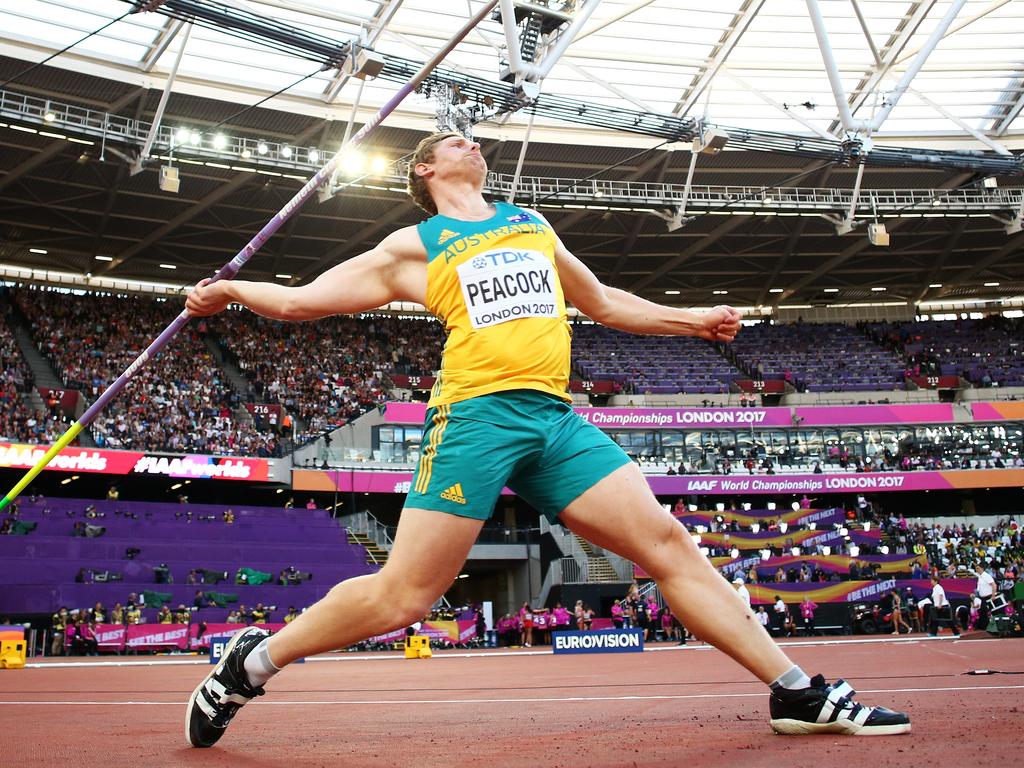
(454, 494)
(446, 235)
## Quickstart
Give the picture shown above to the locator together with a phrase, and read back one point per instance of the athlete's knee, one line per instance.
(670, 548)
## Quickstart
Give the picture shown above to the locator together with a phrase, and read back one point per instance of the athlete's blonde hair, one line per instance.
(424, 153)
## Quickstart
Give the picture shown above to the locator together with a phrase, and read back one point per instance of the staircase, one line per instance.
(598, 567)
(375, 555)
(43, 373)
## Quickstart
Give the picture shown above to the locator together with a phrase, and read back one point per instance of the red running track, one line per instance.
(672, 707)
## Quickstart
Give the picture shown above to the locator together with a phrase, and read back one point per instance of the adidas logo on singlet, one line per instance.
(454, 494)
(446, 235)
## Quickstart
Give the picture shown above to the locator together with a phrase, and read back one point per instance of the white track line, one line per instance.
(486, 654)
(552, 699)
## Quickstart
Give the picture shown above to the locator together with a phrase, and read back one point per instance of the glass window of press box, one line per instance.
(972, 445)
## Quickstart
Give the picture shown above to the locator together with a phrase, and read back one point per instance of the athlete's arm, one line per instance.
(620, 309)
(393, 271)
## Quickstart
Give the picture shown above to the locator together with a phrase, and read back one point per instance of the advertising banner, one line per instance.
(798, 517)
(95, 460)
(598, 641)
(839, 415)
(855, 591)
(219, 631)
(637, 418)
(837, 482)
(998, 411)
(155, 637)
(715, 485)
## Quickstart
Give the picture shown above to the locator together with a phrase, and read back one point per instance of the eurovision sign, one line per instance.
(598, 641)
(95, 460)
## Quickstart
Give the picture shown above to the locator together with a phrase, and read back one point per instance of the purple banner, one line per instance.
(838, 415)
(845, 482)
(718, 485)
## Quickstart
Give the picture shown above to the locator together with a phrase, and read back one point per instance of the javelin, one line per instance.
(230, 269)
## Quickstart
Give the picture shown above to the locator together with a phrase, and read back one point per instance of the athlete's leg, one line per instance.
(621, 514)
(429, 550)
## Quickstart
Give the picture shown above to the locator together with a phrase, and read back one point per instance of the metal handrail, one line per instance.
(242, 153)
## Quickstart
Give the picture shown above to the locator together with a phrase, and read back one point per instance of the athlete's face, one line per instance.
(459, 157)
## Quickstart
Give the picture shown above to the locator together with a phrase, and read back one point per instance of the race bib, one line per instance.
(499, 286)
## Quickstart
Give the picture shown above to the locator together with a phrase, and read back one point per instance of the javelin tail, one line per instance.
(230, 269)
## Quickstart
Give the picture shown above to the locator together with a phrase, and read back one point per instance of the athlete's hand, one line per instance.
(207, 298)
(720, 324)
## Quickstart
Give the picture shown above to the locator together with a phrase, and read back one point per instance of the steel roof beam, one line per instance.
(705, 242)
(730, 37)
(30, 164)
(234, 184)
(1012, 246)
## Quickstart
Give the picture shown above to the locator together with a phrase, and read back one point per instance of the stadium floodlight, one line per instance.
(262, 148)
(220, 141)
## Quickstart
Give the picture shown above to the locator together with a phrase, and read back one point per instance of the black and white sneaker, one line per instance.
(223, 692)
(824, 708)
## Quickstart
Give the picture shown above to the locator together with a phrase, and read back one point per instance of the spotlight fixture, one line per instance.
(246, 154)
(286, 153)
(262, 148)
(877, 234)
(313, 154)
(49, 116)
(220, 141)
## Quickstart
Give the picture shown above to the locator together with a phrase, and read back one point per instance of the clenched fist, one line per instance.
(720, 324)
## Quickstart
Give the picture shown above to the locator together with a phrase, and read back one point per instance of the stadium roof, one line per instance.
(745, 64)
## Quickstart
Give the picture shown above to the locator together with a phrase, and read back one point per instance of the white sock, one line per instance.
(792, 679)
(258, 666)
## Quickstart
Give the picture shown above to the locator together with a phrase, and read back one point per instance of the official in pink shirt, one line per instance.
(617, 614)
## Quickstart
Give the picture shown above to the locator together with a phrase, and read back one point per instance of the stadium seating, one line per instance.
(650, 364)
(42, 566)
(987, 352)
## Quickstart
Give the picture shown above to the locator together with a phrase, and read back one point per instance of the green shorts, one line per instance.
(529, 441)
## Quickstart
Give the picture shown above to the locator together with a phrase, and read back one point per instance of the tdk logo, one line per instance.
(496, 258)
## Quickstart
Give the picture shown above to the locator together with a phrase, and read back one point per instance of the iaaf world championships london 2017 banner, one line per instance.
(364, 481)
(675, 418)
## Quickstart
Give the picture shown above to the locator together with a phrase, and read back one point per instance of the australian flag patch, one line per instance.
(519, 218)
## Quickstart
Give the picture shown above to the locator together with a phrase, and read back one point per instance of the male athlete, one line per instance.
(498, 277)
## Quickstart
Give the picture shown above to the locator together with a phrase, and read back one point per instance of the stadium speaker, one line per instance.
(877, 234)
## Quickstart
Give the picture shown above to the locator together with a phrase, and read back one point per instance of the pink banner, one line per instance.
(637, 418)
(225, 631)
(22, 456)
(154, 637)
(838, 415)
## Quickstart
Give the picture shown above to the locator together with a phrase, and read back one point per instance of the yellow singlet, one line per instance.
(494, 285)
